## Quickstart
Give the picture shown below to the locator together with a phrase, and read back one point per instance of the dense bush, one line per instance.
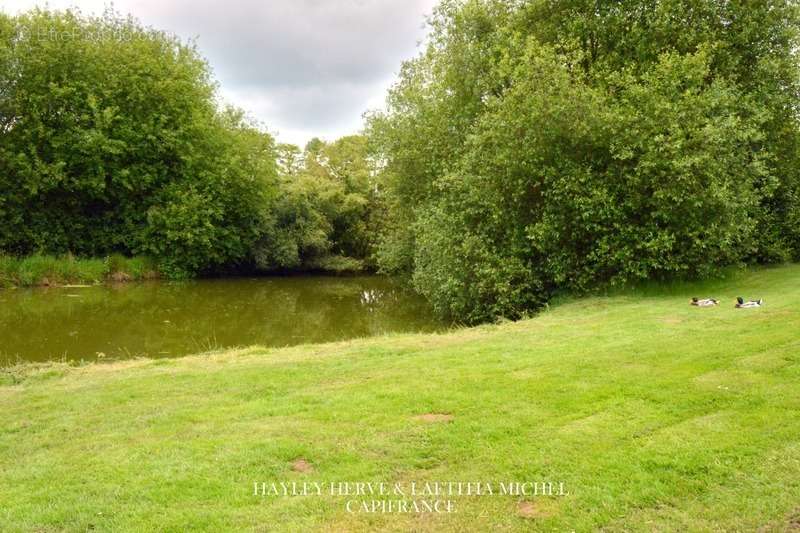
(542, 145)
(111, 141)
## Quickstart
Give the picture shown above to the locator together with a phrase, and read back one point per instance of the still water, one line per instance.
(162, 319)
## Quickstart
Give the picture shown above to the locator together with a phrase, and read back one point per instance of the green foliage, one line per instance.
(547, 145)
(121, 268)
(328, 211)
(111, 141)
(67, 269)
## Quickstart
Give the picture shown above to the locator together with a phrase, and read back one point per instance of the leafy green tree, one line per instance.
(112, 141)
(432, 107)
(541, 145)
(215, 219)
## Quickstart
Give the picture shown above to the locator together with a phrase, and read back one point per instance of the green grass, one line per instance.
(657, 416)
(67, 269)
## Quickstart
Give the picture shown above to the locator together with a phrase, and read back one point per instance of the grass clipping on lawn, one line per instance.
(655, 415)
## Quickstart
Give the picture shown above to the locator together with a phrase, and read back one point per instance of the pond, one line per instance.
(164, 319)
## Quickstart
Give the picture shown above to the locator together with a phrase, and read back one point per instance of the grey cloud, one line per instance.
(310, 65)
(287, 43)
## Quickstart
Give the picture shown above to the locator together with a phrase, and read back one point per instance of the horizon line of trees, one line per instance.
(532, 147)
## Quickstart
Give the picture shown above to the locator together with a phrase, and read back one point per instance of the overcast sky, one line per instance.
(302, 67)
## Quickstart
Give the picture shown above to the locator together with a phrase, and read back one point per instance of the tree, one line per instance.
(111, 141)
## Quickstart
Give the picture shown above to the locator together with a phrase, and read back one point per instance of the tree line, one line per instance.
(533, 146)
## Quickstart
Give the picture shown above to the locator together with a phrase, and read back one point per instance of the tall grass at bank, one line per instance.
(46, 270)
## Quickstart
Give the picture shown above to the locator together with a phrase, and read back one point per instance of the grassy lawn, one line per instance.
(655, 415)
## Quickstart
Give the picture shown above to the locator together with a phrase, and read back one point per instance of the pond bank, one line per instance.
(58, 271)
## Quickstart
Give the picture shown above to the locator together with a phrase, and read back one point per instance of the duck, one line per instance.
(704, 302)
(741, 304)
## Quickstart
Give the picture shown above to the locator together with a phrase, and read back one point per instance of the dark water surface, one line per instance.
(162, 319)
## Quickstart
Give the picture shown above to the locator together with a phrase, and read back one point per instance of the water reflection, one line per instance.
(172, 319)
